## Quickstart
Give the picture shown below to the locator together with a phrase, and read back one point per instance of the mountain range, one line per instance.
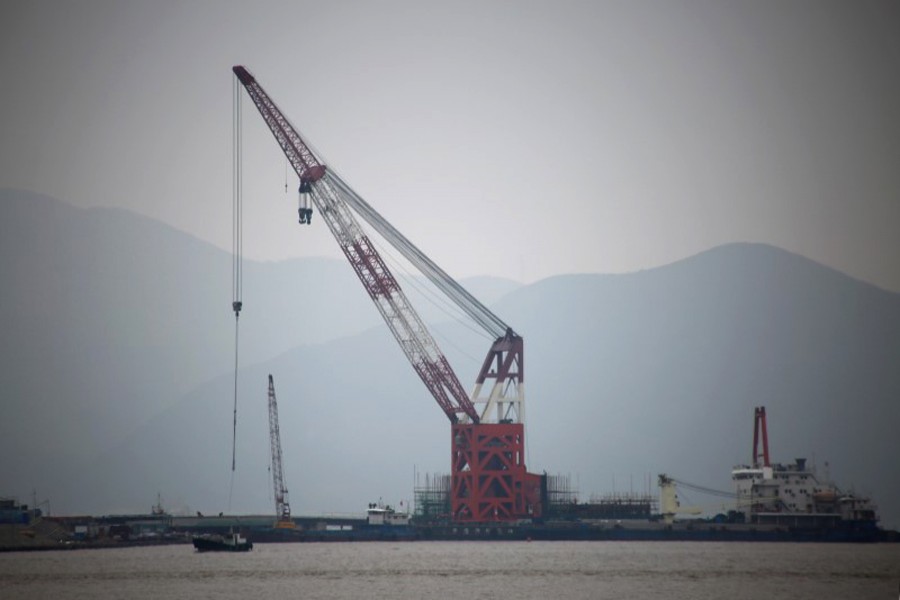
(118, 383)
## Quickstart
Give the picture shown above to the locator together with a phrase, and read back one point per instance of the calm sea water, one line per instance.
(462, 570)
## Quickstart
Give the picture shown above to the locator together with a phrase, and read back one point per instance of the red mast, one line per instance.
(759, 426)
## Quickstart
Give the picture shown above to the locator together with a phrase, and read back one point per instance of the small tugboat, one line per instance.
(217, 543)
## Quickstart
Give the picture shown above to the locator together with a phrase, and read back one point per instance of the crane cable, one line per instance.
(237, 253)
(704, 490)
(479, 313)
(430, 294)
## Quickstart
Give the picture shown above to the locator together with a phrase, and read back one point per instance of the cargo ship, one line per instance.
(793, 494)
(382, 523)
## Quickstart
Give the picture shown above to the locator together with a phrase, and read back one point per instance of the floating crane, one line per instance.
(489, 480)
(282, 506)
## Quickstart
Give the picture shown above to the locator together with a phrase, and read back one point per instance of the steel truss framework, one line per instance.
(282, 505)
(404, 322)
(489, 480)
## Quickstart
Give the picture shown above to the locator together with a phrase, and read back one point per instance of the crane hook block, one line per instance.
(236, 305)
(304, 209)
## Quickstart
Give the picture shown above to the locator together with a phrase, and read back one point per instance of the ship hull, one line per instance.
(203, 544)
(651, 531)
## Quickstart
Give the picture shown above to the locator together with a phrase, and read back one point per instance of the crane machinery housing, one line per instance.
(489, 479)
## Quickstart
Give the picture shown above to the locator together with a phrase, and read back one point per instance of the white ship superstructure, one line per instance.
(379, 514)
(792, 494)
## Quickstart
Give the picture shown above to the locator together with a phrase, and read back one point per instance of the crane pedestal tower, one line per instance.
(489, 481)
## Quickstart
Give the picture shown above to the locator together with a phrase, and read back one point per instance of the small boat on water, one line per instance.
(217, 543)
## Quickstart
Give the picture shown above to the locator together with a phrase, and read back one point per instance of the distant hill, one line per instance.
(659, 371)
(627, 376)
(108, 318)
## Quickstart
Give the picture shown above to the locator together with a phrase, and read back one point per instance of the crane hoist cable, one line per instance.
(237, 242)
(453, 290)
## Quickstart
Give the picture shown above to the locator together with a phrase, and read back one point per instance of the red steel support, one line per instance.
(759, 427)
(489, 478)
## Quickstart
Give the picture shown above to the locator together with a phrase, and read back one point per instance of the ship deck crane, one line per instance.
(489, 480)
(282, 506)
(669, 505)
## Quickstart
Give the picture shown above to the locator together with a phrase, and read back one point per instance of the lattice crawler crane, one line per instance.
(489, 479)
(282, 506)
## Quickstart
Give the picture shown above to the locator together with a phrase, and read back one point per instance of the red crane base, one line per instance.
(489, 481)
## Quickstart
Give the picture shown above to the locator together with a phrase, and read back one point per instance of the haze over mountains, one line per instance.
(117, 383)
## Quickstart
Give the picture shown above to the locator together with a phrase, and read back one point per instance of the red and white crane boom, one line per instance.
(403, 321)
(760, 434)
(488, 467)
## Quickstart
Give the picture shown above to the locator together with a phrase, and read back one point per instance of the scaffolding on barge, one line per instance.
(559, 501)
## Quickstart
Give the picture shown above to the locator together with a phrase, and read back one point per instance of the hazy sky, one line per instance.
(520, 139)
